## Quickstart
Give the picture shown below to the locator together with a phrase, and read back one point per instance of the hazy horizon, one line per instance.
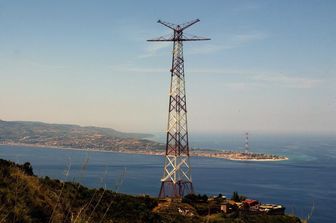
(198, 133)
(270, 66)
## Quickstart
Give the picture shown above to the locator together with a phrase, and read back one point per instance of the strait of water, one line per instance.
(306, 180)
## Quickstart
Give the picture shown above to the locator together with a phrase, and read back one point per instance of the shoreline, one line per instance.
(209, 154)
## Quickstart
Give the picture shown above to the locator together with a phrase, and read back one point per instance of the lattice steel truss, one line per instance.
(246, 142)
(176, 180)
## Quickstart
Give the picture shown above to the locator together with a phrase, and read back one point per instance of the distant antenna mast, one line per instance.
(176, 179)
(246, 142)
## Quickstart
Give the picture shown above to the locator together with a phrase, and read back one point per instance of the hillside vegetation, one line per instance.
(27, 198)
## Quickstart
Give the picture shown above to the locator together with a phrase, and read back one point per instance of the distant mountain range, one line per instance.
(19, 128)
(74, 136)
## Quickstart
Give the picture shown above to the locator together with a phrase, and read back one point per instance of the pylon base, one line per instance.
(177, 190)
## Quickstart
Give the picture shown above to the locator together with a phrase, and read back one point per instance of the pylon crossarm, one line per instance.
(188, 24)
(168, 24)
(190, 37)
(164, 38)
(178, 33)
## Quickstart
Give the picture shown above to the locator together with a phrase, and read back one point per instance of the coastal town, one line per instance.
(239, 156)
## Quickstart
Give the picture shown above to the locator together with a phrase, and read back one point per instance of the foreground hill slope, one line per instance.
(25, 197)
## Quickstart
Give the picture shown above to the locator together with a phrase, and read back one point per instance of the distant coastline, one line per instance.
(90, 138)
(227, 155)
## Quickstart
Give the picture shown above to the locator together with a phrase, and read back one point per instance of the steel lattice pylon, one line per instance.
(176, 180)
(246, 142)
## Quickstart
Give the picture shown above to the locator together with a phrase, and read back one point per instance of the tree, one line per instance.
(235, 196)
(205, 198)
(28, 169)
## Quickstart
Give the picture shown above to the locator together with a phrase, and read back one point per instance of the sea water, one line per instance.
(307, 180)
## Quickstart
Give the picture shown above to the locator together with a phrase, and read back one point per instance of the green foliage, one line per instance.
(200, 203)
(235, 196)
(28, 169)
(26, 198)
(193, 198)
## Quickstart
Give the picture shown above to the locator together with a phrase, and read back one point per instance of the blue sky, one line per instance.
(269, 67)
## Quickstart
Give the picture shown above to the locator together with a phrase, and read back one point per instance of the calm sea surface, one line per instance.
(307, 179)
